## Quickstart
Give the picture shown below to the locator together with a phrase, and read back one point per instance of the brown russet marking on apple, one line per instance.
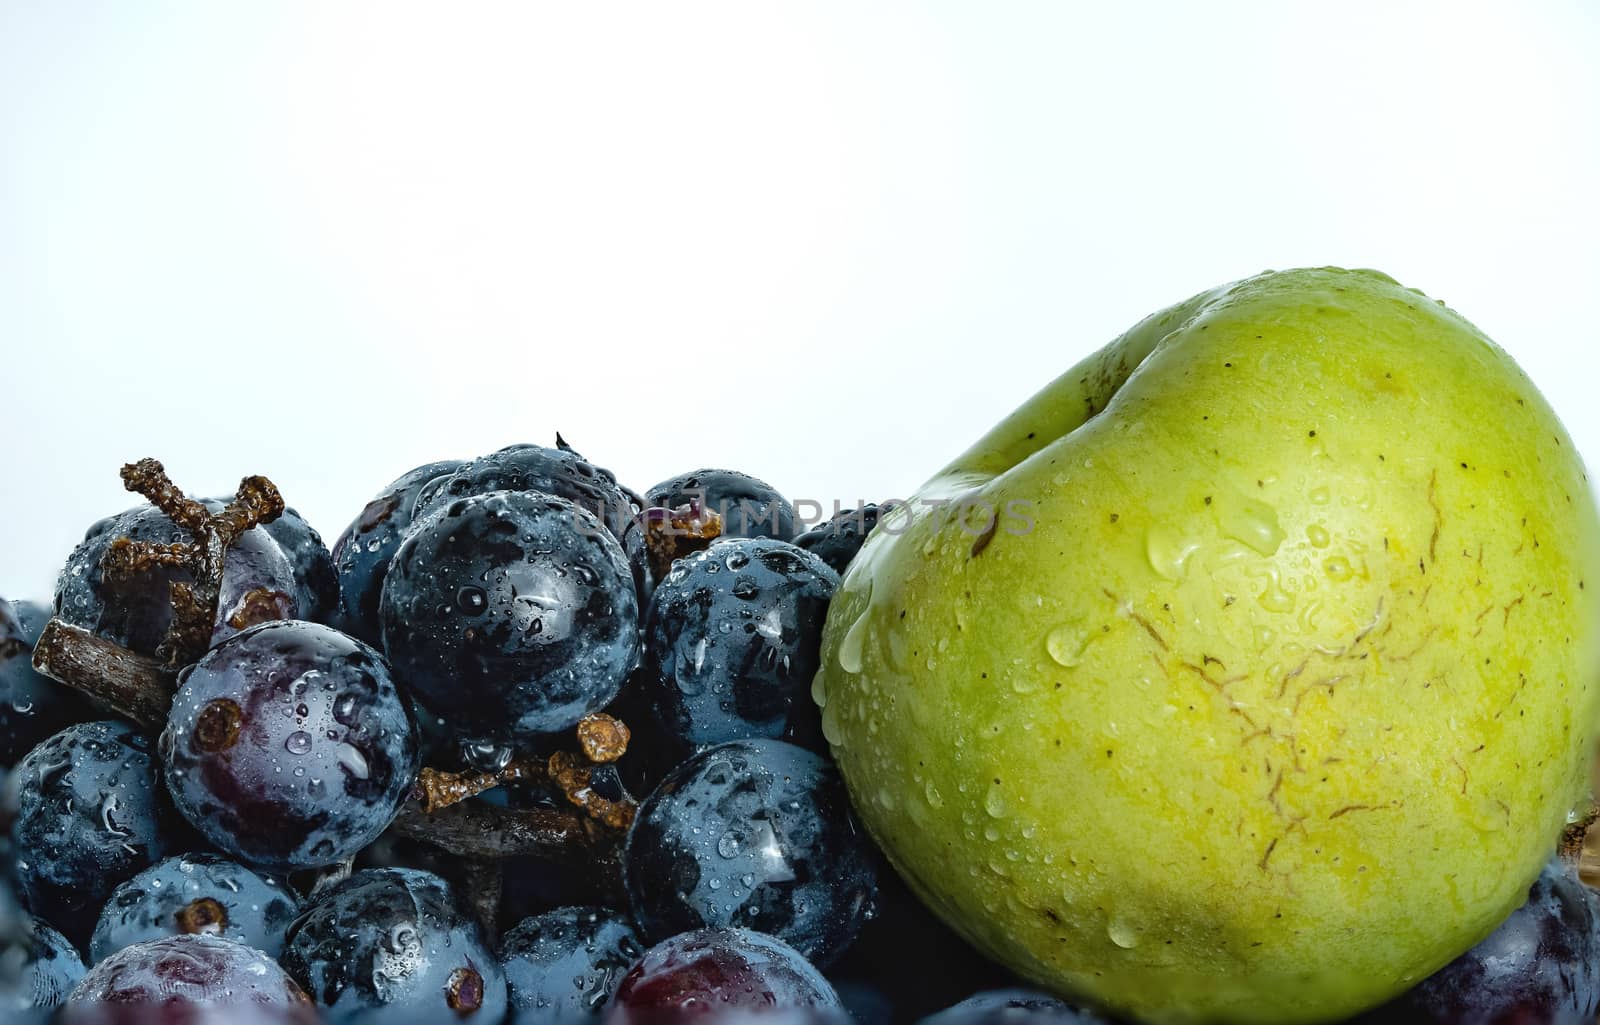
(1351, 808)
(1127, 609)
(984, 538)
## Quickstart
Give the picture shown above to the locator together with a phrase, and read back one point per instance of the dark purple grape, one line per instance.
(186, 1014)
(1540, 967)
(564, 965)
(32, 707)
(551, 471)
(195, 893)
(837, 540)
(198, 971)
(38, 968)
(734, 634)
(90, 814)
(258, 583)
(758, 834)
(391, 945)
(511, 615)
(1012, 1007)
(719, 972)
(748, 507)
(318, 582)
(558, 471)
(288, 746)
(361, 554)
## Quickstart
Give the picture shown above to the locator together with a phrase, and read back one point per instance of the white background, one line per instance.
(827, 244)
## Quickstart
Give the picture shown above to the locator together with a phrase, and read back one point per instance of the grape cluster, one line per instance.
(526, 745)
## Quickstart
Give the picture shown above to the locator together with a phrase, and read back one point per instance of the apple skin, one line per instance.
(1285, 694)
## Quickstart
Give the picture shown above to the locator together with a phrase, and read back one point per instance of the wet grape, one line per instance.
(197, 971)
(195, 893)
(289, 747)
(759, 834)
(90, 814)
(511, 614)
(361, 554)
(748, 507)
(837, 540)
(720, 971)
(564, 964)
(32, 707)
(733, 638)
(391, 945)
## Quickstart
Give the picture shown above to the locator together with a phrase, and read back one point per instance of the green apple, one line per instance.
(1248, 672)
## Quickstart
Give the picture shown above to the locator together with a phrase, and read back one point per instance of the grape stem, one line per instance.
(136, 687)
(588, 835)
(602, 738)
(194, 602)
(486, 832)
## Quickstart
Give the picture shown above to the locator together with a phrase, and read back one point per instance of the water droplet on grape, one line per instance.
(353, 761)
(473, 600)
(298, 742)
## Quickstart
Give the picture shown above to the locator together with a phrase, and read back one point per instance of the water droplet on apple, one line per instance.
(1274, 598)
(1317, 534)
(1065, 645)
(819, 688)
(1168, 551)
(1252, 523)
(1121, 932)
(831, 729)
(1320, 496)
(1488, 816)
(935, 799)
(1338, 568)
(851, 646)
(994, 802)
